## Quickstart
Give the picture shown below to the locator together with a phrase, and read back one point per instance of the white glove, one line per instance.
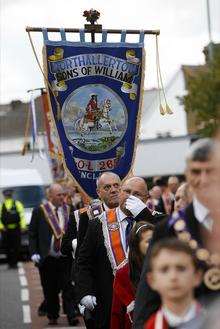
(134, 205)
(81, 309)
(35, 258)
(89, 302)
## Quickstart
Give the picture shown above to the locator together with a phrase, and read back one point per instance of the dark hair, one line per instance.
(8, 192)
(201, 150)
(161, 181)
(135, 258)
(172, 244)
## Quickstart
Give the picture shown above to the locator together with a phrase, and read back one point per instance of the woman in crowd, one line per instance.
(127, 277)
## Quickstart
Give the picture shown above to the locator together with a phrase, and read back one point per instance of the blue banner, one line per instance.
(98, 87)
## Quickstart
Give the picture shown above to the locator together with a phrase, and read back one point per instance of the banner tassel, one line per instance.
(166, 109)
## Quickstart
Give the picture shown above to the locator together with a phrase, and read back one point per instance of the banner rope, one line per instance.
(160, 83)
(45, 77)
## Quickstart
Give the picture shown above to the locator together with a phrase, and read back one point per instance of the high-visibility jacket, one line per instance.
(20, 209)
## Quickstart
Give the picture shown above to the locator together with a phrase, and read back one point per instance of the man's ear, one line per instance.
(150, 280)
(97, 191)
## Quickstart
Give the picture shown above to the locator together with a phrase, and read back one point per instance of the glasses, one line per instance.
(109, 186)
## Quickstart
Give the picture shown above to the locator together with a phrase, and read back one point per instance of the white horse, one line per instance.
(81, 125)
(104, 118)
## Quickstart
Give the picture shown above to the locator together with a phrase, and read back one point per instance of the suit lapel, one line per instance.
(196, 229)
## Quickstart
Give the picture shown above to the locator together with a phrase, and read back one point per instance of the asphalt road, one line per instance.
(20, 295)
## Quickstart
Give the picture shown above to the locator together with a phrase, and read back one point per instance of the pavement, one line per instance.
(20, 296)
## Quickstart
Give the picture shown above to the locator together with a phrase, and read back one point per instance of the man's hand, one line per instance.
(35, 258)
(81, 309)
(134, 205)
(89, 302)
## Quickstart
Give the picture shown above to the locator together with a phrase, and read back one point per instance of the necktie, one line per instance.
(130, 221)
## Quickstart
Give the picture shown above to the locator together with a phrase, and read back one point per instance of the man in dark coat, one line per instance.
(47, 225)
(196, 217)
(108, 187)
(96, 263)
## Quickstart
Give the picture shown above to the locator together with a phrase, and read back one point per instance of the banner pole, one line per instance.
(73, 30)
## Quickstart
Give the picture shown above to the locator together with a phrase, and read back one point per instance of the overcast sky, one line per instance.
(183, 26)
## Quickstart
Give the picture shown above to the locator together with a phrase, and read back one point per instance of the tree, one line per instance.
(203, 97)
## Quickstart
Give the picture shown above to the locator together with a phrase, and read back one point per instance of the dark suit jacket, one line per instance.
(40, 234)
(94, 273)
(147, 301)
(73, 233)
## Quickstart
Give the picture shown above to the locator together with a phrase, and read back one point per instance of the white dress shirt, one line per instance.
(175, 320)
(121, 217)
(202, 214)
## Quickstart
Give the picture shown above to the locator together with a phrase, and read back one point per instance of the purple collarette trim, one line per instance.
(53, 220)
(66, 216)
(176, 216)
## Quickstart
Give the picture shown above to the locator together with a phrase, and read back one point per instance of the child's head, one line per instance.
(174, 270)
(139, 240)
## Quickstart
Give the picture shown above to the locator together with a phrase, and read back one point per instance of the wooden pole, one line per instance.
(110, 31)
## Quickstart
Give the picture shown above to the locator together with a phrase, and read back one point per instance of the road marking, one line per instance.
(21, 271)
(23, 280)
(24, 295)
(26, 314)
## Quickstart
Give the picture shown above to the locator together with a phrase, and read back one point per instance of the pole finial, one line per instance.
(91, 15)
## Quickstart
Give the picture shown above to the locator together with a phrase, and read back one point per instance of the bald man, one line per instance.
(183, 197)
(104, 249)
(48, 222)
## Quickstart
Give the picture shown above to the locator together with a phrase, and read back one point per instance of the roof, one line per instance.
(161, 156)
(13, 118)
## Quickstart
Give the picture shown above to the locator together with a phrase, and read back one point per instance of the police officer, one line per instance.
(12, 222)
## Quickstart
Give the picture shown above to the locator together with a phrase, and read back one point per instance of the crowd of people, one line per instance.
(133, 257)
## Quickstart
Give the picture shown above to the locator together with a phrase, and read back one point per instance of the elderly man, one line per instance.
(108, 187)
(104, 249)
(193, 224)
(183, 197)
(173, 184)
(47, 225)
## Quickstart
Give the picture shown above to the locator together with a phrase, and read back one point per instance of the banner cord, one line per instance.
(48, 83)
